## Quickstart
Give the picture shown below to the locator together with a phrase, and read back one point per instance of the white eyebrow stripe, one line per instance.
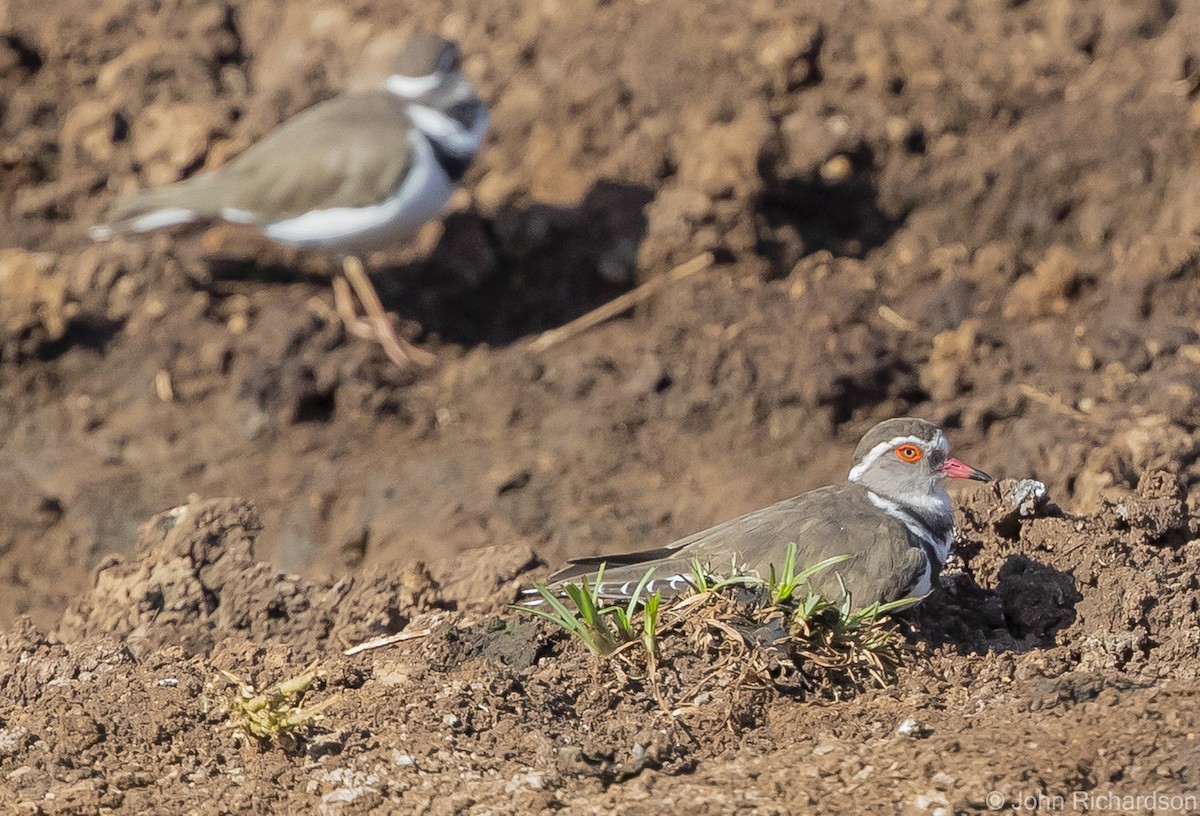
(877, 451)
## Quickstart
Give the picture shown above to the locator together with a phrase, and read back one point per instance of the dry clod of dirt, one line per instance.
(194, 574)
(35, 309)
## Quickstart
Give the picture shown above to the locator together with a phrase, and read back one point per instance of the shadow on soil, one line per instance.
(494, 280)
(523, 270)
(1031, 603)
(799, 216)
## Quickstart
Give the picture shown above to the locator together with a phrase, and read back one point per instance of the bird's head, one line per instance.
(908, 460)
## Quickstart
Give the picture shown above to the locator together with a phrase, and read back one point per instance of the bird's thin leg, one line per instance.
(397, 349)
(343, 302)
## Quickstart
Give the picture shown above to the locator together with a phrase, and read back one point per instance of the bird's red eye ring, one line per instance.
(909, 453)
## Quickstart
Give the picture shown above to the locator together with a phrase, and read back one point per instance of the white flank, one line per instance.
(166, 217)
(925, 584)
(236, 216)
(100, 232)
(351, 230)
(408, 87)
(449, 132)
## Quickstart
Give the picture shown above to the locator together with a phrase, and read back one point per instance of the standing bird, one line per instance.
(891, 517)
(355, 173)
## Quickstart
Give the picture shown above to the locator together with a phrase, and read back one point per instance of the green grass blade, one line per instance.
(898, 605)
(808, 572)
(621, 621)
(650, 623)
(782, 586)
(540, 613)
(564, 617)
(789, 561)
(582, 597)
(595, 593)
(637, 593)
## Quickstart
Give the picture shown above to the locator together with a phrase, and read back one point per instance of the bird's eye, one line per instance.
(909, 453)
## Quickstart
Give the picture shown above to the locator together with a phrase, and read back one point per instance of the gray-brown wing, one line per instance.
(884, 562)
(350, 151)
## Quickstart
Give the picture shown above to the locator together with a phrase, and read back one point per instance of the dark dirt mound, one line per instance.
(985, 214)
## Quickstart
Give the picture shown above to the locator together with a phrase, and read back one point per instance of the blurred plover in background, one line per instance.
(356, 173)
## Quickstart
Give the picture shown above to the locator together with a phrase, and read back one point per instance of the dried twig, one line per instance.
(898, 320)
(388, 640)
(620, 304)
(1051, 401)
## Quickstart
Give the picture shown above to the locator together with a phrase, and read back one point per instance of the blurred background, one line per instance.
(981, 213)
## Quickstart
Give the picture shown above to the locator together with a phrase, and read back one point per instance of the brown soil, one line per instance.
(985, 214)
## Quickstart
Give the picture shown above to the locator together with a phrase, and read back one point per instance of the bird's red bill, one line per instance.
(957, 470)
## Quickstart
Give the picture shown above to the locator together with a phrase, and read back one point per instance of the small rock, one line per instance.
(790, 54)
(836, 169)
(533, 780)
(935, 802)
(87, 134)
(722, 159)
(951, 361)
(12, 740)
(169, 139)
(1027, 497)
(648, 379)
(943, 780)
(1048, 290)
(33, 297)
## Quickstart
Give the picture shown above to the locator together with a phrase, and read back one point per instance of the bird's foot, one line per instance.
(376, 324)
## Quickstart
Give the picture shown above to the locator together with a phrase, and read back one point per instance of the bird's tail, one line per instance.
(156, 208)
(622, 573)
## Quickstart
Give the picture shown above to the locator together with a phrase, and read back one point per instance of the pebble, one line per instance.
(1027, 496)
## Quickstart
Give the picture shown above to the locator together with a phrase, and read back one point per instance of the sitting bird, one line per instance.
(891, 518)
